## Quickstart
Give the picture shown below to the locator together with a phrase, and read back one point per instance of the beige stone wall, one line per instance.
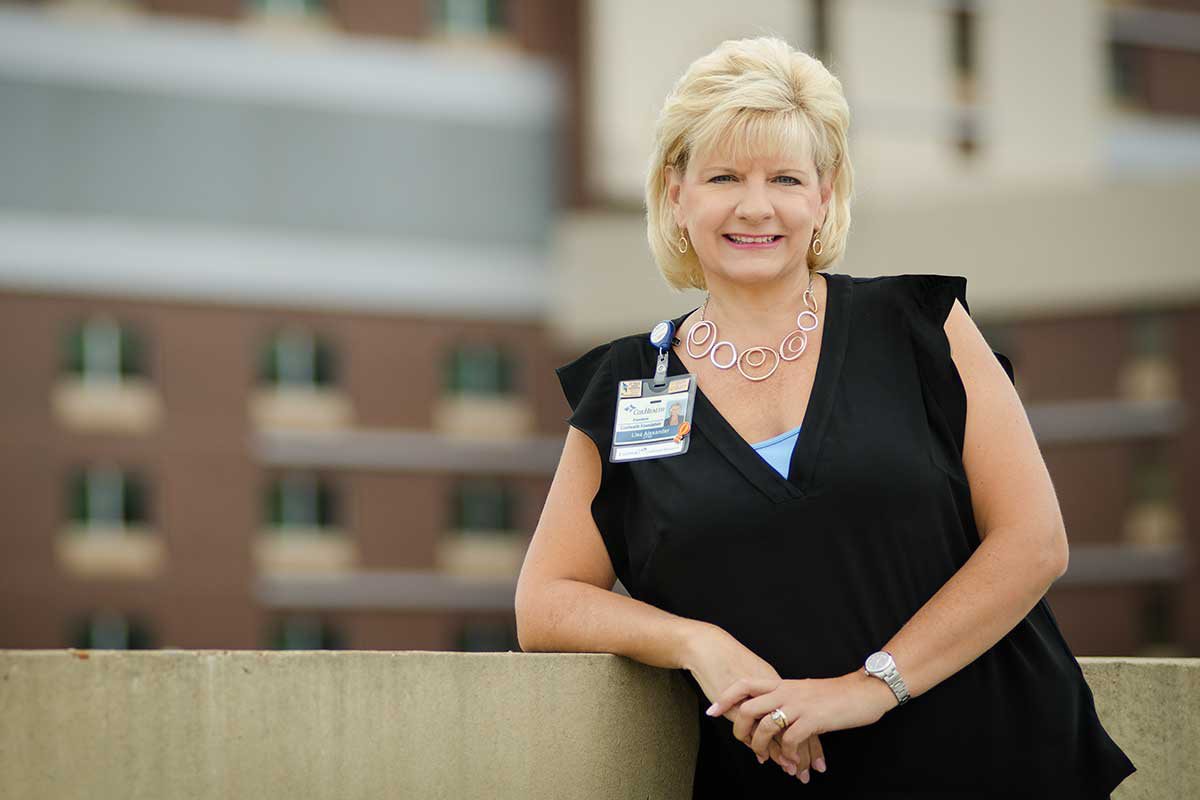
(360, 724)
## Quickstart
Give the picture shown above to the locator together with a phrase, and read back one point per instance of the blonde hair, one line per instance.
(747, 98)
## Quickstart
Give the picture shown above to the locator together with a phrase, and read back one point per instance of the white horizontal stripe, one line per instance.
(336, 72)
(410, 450)
(113, 256)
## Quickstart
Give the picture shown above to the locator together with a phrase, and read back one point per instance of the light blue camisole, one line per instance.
(777, 451)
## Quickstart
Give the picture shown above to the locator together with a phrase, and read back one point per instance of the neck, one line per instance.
(760, 314)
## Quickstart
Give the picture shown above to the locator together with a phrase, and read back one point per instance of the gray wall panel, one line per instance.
(96, 150)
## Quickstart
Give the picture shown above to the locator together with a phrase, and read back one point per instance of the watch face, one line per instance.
(877, 662)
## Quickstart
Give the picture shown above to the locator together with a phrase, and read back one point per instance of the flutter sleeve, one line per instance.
(929, 300)
(590, 386)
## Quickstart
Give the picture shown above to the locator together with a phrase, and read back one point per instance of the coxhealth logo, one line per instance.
(633, 410)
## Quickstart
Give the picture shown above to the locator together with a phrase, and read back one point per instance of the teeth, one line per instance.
(751, 239)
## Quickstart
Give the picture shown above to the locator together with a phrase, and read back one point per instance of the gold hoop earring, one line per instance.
(683, 244)
(816, 246)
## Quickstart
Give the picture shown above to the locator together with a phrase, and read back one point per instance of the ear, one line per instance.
(674, 186)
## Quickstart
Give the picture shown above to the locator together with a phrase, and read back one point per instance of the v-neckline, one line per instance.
(710, 423)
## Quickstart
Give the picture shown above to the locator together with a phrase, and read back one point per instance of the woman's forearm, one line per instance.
(998, 585)
(576, 617)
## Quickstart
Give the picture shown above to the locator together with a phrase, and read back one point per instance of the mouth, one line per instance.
(740, 241)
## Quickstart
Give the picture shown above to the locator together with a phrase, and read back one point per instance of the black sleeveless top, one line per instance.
(815, 571)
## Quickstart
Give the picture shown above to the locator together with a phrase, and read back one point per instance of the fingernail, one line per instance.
(711, 709)
(804, 776)
(761, 759)
(791, 769)
(819, 765)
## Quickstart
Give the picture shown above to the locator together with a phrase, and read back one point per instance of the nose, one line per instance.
(755, 206)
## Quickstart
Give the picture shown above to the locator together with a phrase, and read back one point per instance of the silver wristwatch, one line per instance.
(883, 666)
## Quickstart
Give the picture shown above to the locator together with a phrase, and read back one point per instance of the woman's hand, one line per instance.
(718, 661)
(812, 706)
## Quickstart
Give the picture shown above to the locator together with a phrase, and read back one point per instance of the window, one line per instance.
(300, 500)
(1001, 337)
(103, 349)
(1149, 335)
(488, 637)
(483, 505)
(963, 62)
(1124, 73)
(1153, 54)
(297, 358)
(479, 369)
(962, 39)
(1152, 478)
(298, 374)
(301, 632)
(110, 630)
(1157, 614)
(106, 497)
(468, 16)
(963, 47)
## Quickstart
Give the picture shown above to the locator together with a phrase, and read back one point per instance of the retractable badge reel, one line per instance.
(654, 415)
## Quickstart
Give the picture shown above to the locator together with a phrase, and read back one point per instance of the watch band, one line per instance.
(888, 673)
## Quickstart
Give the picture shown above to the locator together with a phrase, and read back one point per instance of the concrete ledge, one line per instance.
(353, 724)
(341, 724)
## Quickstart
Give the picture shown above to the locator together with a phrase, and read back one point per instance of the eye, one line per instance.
(795, 181)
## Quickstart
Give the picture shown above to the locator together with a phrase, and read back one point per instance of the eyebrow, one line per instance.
(801, 170)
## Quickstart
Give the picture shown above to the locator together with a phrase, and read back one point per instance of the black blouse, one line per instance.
(815, 571)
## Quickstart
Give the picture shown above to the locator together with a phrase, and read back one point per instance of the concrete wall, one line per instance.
(354, 724)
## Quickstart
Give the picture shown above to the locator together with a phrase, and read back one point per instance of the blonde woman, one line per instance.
(850, 559)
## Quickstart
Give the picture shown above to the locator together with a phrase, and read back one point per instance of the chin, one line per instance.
(751, 273)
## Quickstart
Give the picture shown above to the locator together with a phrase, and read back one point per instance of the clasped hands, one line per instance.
(746, 689)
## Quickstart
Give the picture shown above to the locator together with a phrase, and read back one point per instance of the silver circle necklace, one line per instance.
(704, 332)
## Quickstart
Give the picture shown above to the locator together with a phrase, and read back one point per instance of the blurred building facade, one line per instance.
(284, 283)
(275, 296)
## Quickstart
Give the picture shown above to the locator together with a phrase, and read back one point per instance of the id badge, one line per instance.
(653, 421)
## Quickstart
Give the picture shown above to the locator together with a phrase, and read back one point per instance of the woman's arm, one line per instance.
(1023, 549)
(564, 601)
(1023, 539)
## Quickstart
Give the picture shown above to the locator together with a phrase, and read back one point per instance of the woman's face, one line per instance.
(718, 199)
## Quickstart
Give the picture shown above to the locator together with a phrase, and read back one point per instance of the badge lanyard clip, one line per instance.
(661, 337)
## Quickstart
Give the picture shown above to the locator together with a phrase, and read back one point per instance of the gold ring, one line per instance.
(780, 718)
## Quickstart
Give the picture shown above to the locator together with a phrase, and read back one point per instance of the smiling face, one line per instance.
(722, 198)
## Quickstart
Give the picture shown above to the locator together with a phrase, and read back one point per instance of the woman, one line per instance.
(866, 611)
